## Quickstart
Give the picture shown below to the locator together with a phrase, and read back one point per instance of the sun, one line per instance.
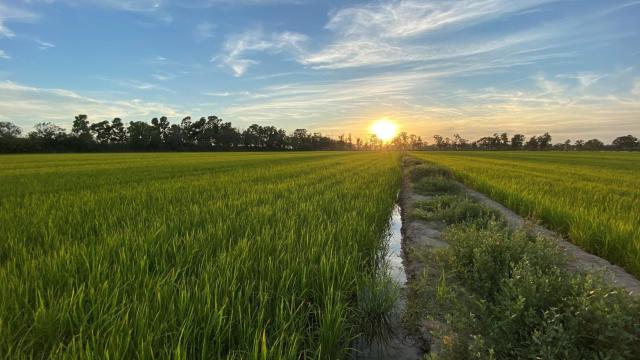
(384, 129)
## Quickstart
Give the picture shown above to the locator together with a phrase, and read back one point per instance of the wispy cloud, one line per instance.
(387, 32)
(44, 45)
(585, 79)
(401, 19)
(425, 103)
(163, 77)
(21, 104)
(3, 55)
(10, 13)
(135, 84)
(238, 48)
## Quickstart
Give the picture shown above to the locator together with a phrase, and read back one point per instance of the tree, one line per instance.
(459, 142)
(416, 142)
(593, 144)
(532, 144)
(9, 130)
(299, 140)
(228, 136)
(440, 143)
(517, 141)
(401, 141)
(101, 131)
(161, 127)
(188, 137)
(140, 135)
(627, 142)
(80, 126)
(118, 133)
(47, 136)
(504, 140)
(10, 140)
(175, 139)
(544, 141)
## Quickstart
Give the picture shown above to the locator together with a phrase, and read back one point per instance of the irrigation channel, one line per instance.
(400, 345)
(407, 234)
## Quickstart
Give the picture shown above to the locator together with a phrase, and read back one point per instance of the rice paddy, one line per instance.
(591, 197)
(202, 255)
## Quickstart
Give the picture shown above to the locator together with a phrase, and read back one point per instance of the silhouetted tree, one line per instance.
(504, 140)
(117, 133)
(593, 144)
(47, 136)
(517, 141)
(9, 130)
(101, 131)
(140, 135)
(544, 141)
(627, 142)
(532, 144)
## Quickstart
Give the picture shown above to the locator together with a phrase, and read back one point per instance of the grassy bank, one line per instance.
(190, 255)
(593, 198)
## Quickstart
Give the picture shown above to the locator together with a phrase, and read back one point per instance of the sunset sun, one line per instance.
(384, 129)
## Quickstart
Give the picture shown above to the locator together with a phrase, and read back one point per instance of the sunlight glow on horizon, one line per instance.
(384, 129)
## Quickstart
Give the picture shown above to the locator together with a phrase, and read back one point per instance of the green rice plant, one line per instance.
(591, 197)
(377, 302)
(189, 255)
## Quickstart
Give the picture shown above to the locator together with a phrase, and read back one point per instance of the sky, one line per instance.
(472, 67)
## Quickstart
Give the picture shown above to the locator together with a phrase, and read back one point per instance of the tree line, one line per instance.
(519, 142)
(209, 133)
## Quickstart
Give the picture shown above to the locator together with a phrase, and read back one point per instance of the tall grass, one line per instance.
(593, 198)
(188, 255)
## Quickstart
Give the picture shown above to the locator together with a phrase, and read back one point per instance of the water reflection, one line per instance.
(394, 253)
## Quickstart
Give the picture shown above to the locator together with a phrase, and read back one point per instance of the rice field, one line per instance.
(591, 197)
(196, 255)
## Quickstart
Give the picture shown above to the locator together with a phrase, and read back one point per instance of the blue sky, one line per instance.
(472, 67)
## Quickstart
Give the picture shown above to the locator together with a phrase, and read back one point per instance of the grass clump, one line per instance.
(456, 209)
(436, 185)
(424, 170)
(377, 299)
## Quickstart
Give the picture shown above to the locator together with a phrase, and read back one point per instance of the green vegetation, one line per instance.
(594, 198)
(236, 255)
(499, 293)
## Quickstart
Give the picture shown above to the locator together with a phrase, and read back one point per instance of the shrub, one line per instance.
(435, 186)
(515, 300)
(456, 209)
(421, 171)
